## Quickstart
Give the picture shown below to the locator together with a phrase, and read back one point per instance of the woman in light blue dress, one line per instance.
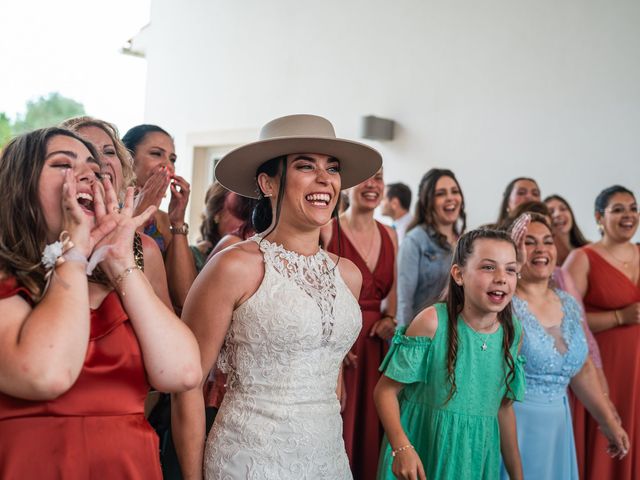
(556, 353)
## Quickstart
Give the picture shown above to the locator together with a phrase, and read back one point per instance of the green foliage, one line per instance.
(5, 129)
(46, 112)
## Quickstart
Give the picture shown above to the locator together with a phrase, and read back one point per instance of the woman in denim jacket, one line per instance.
(425, 254)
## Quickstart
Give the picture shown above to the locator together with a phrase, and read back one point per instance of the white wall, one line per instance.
(492, 89)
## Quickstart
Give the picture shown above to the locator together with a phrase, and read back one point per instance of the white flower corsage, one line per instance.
(53, 253)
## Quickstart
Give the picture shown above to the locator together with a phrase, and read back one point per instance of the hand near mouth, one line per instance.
(180, 191)
(119, 241)
(153, 191)
(82, 228)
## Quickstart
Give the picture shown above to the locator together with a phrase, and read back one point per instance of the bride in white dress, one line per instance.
(277, 313)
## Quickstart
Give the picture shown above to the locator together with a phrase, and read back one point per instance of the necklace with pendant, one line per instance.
(482, 337)
(625, 263)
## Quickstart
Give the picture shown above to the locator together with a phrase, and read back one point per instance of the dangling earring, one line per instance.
(600, 228)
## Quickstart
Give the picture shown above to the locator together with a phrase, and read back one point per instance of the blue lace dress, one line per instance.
(553, 356)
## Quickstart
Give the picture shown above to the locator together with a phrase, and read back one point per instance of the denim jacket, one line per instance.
(423, 271)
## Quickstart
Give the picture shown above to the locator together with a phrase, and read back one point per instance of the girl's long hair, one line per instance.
(455, 304)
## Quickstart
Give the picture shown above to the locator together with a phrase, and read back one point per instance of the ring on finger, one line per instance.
(116, 210)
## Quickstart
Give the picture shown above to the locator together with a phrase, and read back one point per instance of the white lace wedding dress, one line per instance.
(280, 418)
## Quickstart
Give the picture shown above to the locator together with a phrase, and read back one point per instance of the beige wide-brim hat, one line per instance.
(236, 171)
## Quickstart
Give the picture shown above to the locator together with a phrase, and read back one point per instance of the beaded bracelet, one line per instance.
(401, 449)
(122, 276)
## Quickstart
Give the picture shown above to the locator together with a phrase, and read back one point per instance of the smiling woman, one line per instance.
(566, 233)
(117, 166)
(556, 351)
(77, 357)
(372, 247)
(607, 275)
(154, 160)
(425, 254)
(277, 313)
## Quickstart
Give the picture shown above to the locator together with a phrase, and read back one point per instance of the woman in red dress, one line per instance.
(607, 275)
(372, 247)
(77, 357)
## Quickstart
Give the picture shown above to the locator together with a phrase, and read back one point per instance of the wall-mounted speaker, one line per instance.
(376, 128)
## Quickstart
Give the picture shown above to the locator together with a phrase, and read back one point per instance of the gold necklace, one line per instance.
(625, 264)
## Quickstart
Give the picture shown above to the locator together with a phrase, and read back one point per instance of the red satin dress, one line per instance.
(609, 289)
(362, 430)
(97, 429)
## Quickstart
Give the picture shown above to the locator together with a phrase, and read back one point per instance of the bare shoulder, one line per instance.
(349, 273)
(392, 234)
(237, 260)
(150, 248)
(424, 324)
(576, 261)
(225, 242)
(238, 267)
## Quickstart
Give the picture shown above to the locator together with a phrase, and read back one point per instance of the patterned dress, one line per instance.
(280, 418)
(553, 355)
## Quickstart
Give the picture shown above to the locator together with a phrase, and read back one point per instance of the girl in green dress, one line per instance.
(451, 376)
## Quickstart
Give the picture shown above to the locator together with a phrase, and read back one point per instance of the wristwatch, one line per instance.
(181, 230)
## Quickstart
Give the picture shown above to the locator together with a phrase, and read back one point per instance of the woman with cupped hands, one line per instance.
(77, 354)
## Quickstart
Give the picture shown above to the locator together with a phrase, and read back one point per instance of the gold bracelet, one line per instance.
(618, 319)
(401, 449)
(122, 276)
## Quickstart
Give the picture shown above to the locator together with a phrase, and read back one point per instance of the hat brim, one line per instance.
(236, 171)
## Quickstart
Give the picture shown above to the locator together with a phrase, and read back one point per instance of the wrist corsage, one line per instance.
(56, 253)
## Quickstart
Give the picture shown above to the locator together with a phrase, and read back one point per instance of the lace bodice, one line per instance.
(552, 357)
(280, 417)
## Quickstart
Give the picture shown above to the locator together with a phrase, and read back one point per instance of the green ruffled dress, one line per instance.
(459, 439)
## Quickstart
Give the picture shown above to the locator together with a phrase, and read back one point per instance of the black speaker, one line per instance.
(375, 128)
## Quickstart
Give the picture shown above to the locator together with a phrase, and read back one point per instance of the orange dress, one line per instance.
(95, 430)
(362, 430)
(609, 289)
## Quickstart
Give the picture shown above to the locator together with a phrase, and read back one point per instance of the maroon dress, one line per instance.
(609, 289)
(362, 429)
